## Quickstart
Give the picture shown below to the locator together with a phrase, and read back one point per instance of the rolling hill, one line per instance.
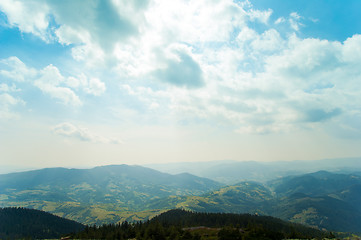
(98, 195)
(323, 200)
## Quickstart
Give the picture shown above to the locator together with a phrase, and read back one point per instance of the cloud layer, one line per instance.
(220, 63)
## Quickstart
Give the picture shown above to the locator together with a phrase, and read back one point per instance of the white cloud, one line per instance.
(294, 21)
(270, 40)
(67, 35)
(49, 81)
(305, 84)
(77, 82)
(91, 86)
(6, 103)
(198, 60)
(16, 70)
(262, 16)
(280, 20)
(29, 16)
(71, 131)
(352, 49)
(6, 88)
(95, 87)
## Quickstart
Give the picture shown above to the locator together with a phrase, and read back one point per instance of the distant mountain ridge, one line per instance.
(104, 190)
(121, 174)
(231, 172)
(314, 184)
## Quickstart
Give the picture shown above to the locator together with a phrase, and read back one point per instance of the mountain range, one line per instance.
(323, 200)
(97, 195)
(117, 193)
(231, 172)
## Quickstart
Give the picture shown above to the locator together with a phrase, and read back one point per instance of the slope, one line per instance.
(180, 224)
(323, 200)
(18, 223)
(96, 195)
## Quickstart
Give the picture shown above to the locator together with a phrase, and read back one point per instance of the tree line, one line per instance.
(23, 223)
(177, 225)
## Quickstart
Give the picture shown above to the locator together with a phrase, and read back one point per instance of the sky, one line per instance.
(89, 83)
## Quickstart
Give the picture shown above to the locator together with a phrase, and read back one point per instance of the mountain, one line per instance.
(19, 223)
(314, 184)
(231, 172)
(322, 212)
(351, 195)
(107, 178)
(96, 195)
(323, 200)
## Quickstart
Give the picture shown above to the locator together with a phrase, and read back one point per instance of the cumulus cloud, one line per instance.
(269, 40)
(262, 16)
(50, 81)
(83, 134)
(7, 102)
(6, 88)
(29, 16)
(182, 71)
(91, 86)
(95, 87)
(199, 60)
(305, 84)
(14, 69)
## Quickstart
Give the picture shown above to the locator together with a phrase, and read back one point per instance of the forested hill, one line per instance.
(99, 195)
(180, 224)
(18, 223)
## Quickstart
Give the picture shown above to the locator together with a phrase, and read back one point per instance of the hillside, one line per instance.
(180, 224)
(322, 212)
(314, 184)
(16, 223)
(323, 200)
(245, 197)
(98, 195)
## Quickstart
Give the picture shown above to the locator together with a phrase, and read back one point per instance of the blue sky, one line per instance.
(85, 83)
